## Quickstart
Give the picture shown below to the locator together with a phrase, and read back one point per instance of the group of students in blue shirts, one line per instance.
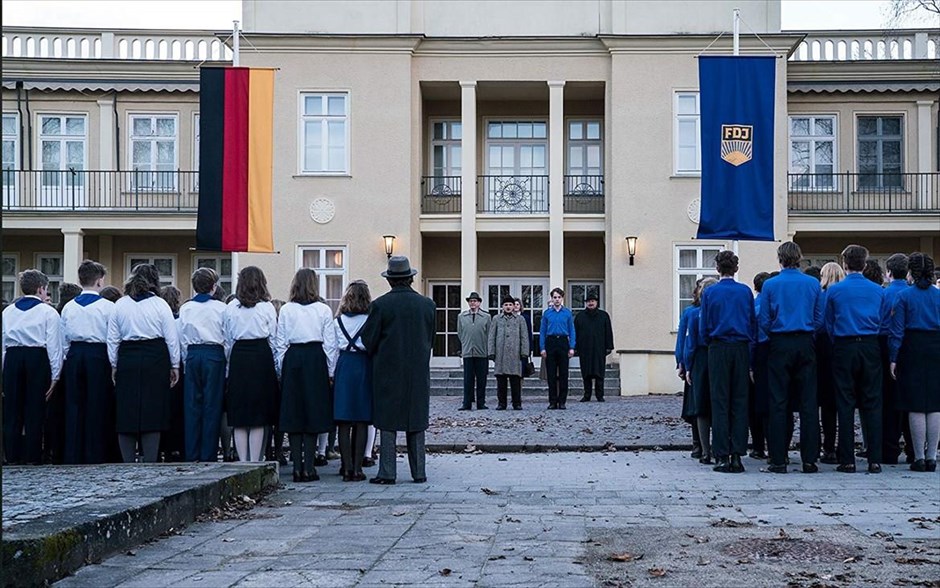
(840, 343)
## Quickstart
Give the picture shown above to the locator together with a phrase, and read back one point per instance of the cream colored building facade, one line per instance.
(510, 147)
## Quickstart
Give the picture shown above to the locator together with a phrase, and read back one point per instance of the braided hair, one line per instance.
(921, 267)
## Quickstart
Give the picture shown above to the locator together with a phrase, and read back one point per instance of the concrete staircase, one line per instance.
(449, 382)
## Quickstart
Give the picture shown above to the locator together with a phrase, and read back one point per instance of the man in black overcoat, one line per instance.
(595, 341)
(399, 334)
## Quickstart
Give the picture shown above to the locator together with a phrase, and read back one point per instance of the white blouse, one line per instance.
(151, 318)
(201, 322)
(257, 322)
(87, 323)
(38, 326)
(304, 323)
(352, 322)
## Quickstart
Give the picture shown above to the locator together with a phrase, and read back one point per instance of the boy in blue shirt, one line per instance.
(893, 422)
(557, 341)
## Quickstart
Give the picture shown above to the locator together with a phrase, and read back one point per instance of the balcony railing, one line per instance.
(100, 191)
(73, 43)
(513, 194)
(860, 45)
(440, 194)
(584, 194)
(848, 192)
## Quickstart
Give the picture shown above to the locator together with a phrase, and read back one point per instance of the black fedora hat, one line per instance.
(398, 267)
(474, 296)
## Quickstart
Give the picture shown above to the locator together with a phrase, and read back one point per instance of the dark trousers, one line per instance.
(475, 370)
(53, 427)
(515, 384)
(791, 363)
(890, 417)
(759, 398)
(89, 404)
(388, 455)
(26, 378)
(598, 384)
(728, 368)
(856, 369)
(203, 389)
(556, 368)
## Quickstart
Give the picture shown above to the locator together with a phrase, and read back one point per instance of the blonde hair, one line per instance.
(830, 274)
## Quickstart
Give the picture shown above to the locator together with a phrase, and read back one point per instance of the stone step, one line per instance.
(449, 382)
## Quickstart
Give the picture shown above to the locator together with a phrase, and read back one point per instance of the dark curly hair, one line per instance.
(144, 278)
(726, 262)
(921, 267)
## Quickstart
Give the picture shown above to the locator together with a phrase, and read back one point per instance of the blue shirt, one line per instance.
(728, 313)
(557, 322)
(681, 335)
(892, 290)
(694, 339)
(761, 331)
(915, 309)
(791, 303)
(855, 307)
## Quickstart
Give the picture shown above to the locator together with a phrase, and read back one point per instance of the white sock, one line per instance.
(370, 442)
(322, 439)
(241, 444)
(933, 434)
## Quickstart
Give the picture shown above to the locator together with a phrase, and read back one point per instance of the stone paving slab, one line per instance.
(57, 518)
(555, 519)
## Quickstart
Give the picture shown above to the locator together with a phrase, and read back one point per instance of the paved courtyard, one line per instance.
(617, 518)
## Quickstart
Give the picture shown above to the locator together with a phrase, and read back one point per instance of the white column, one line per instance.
(106, 133)
(72, 253)
(556, 184)
(468, 179)
(924, 152)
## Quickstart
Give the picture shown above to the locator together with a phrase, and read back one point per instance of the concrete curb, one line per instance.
(538, 448)
(40, 552)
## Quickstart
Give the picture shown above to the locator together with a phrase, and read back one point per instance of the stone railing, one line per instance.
(868, 45)
(63, 43)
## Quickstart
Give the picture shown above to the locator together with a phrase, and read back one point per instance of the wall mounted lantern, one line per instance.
(631, 248)
(389, 244)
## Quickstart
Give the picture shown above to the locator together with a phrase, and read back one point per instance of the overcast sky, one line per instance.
(219, 14)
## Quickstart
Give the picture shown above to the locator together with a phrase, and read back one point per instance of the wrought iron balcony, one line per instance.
(513, 194)
(584, 194)
(440, 194)
(100, 191)
(849, 192)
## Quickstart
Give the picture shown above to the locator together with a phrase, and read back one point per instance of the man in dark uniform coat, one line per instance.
(595, 341)
(399, 334)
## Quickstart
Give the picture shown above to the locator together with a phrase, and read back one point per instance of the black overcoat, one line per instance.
(595, 341)
(399, 335)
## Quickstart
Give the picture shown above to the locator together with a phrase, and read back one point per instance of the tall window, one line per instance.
(222, 264)
(688, 155)
(584, 148)
(62, 140)
(325, 133)
(196, 152)
(330, 265)
(449, 305)
(153, 151)
(11, 152)
(813, 151)
(692, 263)
(51, 265)
(10, 271)
(445, 148)
(578, 293)
(516, 148)
(879, 151)
(165, 264)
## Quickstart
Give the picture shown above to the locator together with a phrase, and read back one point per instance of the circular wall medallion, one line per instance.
(322, 210)
(695, 207)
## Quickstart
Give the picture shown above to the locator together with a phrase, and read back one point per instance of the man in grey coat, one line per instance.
(399, 334)
(507, 343)
(472, 329)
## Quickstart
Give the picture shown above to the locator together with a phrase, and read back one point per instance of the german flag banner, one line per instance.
(236, 122)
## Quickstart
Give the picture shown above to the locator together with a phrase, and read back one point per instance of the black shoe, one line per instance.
(931, 465)
(298, 476)
(600, 399)
(919, 465)
(553, 406)
(585, 399)
(723, 466)
(368, 462)
(420, 480)
(382, 481)
(829, 458)
(311, 477)
(846, 468)
(464, 408)
(501, 407)
(777, 469)
(810, 468)
(517, 407)
(696, 453)
(320, 461)
(757, 455)
(562, 407)
(705, 460)
(736, 466)
(874, 468)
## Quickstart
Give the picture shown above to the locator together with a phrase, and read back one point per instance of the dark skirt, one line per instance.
(251, 398)
(142, 387)
(825, 386)
(306, 402)
(701, 398)
(918, 382)
(352, 388)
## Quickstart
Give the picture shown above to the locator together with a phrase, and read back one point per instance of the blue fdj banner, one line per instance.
(737, 116)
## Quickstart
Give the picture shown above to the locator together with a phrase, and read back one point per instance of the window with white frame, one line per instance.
(880, 160)
(324, 120)
(449, 302)
(584, 169)
(692, 263)
(11, 152)
(196, 152)
(688, 155)
(153, 152)
(445, 157)
(813, 151)
(62, 146)
(578, 293)
(222, 264)
(10, 275)
(51, 265)
(165, 264)
(331, 266)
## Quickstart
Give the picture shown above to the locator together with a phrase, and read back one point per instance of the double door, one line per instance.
(533, 292)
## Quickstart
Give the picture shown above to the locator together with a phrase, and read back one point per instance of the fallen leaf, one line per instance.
(782, 536)
(732, 524)
(528, 558)
(131, 553)
(853, 559)
(626, 557)
(702, 561)
(744, 560)
(445, 572)
(496, 557)
(657, 572)
(916, 561)
(469, 449)
(398, 513)
(488, 492)
(227, 540)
